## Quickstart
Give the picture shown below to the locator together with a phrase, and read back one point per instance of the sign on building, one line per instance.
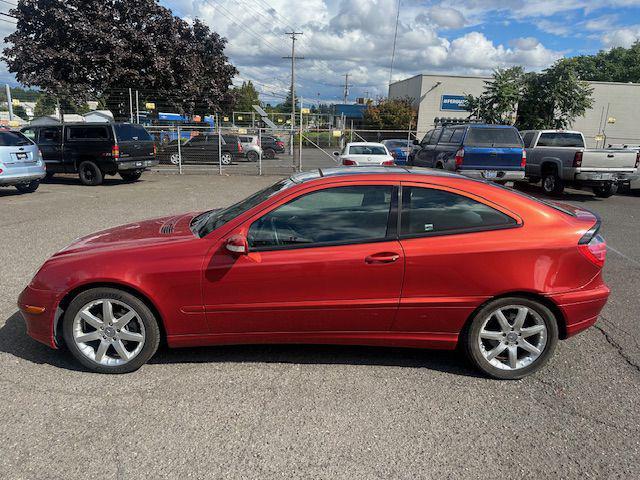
(453, 102)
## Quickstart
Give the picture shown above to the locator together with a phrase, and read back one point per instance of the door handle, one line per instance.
(384, 257)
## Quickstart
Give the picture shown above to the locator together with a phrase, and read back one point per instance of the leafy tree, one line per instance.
(616, 65)
(391, 114)
(285, 107)
(246, 97)
(498, 103)
(84, 49)
(20, 111)
(46, 105)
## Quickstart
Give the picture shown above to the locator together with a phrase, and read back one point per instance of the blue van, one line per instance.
(491, 152)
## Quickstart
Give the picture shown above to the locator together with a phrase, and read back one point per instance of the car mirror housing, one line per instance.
(416, 142)
(336, 154)
(237, 245)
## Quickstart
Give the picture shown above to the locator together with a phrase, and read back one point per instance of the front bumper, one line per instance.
(493, 174)
(40, 326)
(136, 164)
(16, 175)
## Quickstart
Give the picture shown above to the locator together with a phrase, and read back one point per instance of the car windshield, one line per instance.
(13, 139)
(207, 222)
(493, 137)
(367, 150)
(397, 143)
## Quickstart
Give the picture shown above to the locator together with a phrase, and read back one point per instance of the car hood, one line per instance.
(138, 234)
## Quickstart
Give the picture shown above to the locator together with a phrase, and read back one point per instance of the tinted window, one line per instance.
(493, 137)
(446, 135)
(50, 136)
(366, 150)
(426, 210)
(30, 133)
(198, 139)
(528, 139)
(427, 137)
(127, 132)
(13, 139)
(88, 133)
(343, 214)
(436, 135)
(396, 143)
(457, 135)
(560, 140)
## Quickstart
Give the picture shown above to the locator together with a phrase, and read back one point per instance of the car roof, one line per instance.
(350, 144)
(343, 172)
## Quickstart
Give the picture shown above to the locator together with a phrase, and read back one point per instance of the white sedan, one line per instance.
(364, 154)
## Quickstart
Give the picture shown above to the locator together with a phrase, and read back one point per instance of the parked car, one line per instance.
(559, 158)
(21, 163)
(271, 146)
(492, 152)
(202, 149)
(95, 150)
(251, 147)
(399, 149)
(358, 154)
(371, 256)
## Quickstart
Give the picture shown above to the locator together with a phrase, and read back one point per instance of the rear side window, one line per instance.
(457, 135)
(493, 137)
(128, 132)
(50, 136)
(13, 139)
(560, 140)
(88, 133)
(427, 210)
(427, 137)
(446, 135)
(435, 137)
(336, 215)
(528, 139)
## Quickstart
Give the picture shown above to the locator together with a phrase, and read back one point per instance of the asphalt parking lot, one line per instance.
(305, 411)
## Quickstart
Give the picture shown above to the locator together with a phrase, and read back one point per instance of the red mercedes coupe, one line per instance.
(368, 256)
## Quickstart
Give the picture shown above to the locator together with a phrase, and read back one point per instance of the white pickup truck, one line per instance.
(559, 158)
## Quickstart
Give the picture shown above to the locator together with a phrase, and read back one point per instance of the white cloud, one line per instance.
(622, 37)
(443, 17)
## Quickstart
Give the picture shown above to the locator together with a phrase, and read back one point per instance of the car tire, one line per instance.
(49, 176)
(174, 159)
(90, 174)
(90, 305)
(30, 187)
(606, 191)
(253, 156)
(226, 158)
(269, 153)
(131, 176)
(552, 184)
(489, 343)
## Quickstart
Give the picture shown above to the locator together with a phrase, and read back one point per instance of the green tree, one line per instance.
(616, 65)
(20, 111)
(46, 105)
(498, 103)
(246, 97)
(391, 114)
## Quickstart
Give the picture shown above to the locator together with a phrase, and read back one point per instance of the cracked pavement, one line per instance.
(305, 411)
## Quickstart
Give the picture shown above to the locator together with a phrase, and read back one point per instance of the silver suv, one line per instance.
(21, 163)
(251, 147)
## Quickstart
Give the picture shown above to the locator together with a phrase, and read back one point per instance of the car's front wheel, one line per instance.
(133, 176)
(253, 156)
(226, 158)
(510, 338)
(110, 331)
(269, 153)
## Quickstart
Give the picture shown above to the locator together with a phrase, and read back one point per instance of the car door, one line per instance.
(49, 139)
(452, 242)
(426, 155)
(324, 260)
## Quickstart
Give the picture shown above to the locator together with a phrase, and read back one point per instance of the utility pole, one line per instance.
(9, 102)
(346, 87)
(293, 59)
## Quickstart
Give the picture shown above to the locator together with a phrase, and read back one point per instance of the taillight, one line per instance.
(459, 157)
(388, 163)
(577, 159)
(595, 250)
(280, 144)
(637, 159)
(346, 161)
(115, 152)
(394, 154)
(1, 170)
(155, 150)
(240, 147)
(523, 162)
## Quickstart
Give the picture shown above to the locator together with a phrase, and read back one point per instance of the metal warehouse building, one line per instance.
(613, 119)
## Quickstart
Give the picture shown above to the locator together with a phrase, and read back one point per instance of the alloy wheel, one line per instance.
(512, 337)
(175, 158)
(226, 159)
(549, 183)
(108, 332)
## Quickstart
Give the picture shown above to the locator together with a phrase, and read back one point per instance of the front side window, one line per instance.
(446, 135)
(354, 214)
(435, 137)
(457, 135)
(528, 139)
(427, 210)
(426, 138)
(50, 136)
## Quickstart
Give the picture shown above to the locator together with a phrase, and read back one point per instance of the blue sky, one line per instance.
(356, 37)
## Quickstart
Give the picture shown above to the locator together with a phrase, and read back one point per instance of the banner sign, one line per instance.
(453, 102)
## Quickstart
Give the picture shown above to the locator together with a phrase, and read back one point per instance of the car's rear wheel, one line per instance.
(226, 158)
(28, 187)
(552, 184)
(90, 174)
(269, 153)
(606, 190)
(110, 331)
(510, 338)
(174, 158)
(133, 176)
(253, 156)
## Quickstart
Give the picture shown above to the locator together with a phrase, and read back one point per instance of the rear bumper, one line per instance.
(16, 175)
(40, 326)
(501, 175)
(581, 308)
(136, 164)
(601, 177)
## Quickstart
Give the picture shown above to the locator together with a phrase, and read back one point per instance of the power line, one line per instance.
(9, 3)
(7, 15)
(8, 21)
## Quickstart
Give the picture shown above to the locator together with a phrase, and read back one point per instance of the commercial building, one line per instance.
(611, 120)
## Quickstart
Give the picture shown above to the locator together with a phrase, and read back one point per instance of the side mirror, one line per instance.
(336, 154)
(237, 245)
(416, 142)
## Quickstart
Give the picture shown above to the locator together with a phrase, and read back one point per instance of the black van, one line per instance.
(95, 150)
